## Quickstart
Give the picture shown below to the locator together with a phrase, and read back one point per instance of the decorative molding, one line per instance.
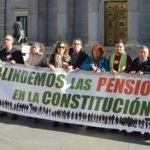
(21, 12)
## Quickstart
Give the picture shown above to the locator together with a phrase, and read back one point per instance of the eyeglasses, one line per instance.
(76, 43)
(8, 39)
(118, 46)
(61, 47)
(143, 52)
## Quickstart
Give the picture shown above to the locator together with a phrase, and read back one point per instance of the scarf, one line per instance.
(122, 62)
(58, 61)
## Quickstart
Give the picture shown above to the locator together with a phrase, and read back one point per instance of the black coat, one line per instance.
(137, 65)
(13, 54)
(81, 58)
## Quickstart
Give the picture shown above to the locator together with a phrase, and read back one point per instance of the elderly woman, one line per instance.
(37, 57)
(60, 58)
(96, 63)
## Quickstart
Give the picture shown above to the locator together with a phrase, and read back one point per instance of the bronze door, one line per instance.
(115, 21)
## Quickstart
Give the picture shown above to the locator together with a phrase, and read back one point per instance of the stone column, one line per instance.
(2, 20)
(101, 21)
(93, 21)
(52, 21)
(33, 20)
(81, 19)
(42, 21)
(70, 21)
(132, 20)
(62, 19)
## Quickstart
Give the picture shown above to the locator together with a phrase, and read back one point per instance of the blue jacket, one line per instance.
(103, 64)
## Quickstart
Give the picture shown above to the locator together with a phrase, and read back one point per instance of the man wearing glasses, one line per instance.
(9, 54)
(76, 53)
(120, 62)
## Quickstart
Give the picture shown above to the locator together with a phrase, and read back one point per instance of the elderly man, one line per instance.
(9, 54)
(141, 64)
(120, 62)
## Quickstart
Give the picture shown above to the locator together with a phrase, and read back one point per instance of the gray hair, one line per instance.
(10, 37)
(40, 45)
(144, 47)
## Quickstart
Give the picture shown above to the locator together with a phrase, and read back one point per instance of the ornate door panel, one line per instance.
(115, 21)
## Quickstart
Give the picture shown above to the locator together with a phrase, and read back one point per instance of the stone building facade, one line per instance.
(101, 21)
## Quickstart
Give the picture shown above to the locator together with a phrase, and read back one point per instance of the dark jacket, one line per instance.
(81, 58)
(137, 65)
(13, 54)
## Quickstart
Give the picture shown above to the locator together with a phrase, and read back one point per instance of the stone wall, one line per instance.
(144, 21)
(2, 20)
(52, 20)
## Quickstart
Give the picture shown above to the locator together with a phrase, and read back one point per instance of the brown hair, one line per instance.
(78, 39)
(119, 41)
(59, 43)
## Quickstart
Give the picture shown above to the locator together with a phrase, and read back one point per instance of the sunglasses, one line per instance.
(61, 47)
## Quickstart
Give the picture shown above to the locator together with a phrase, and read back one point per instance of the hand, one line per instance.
(1, 61)
(65, 64)
(113, 71)
(51, 66)
(94, 68)
(13, 61)
(77, 69)
(132, 72)
(98, 70)
(139, 73)
(70, 67)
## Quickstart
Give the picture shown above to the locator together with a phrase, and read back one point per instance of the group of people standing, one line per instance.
(119, 62)
(75, 58)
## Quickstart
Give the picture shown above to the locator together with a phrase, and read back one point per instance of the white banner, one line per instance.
(101, 100)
